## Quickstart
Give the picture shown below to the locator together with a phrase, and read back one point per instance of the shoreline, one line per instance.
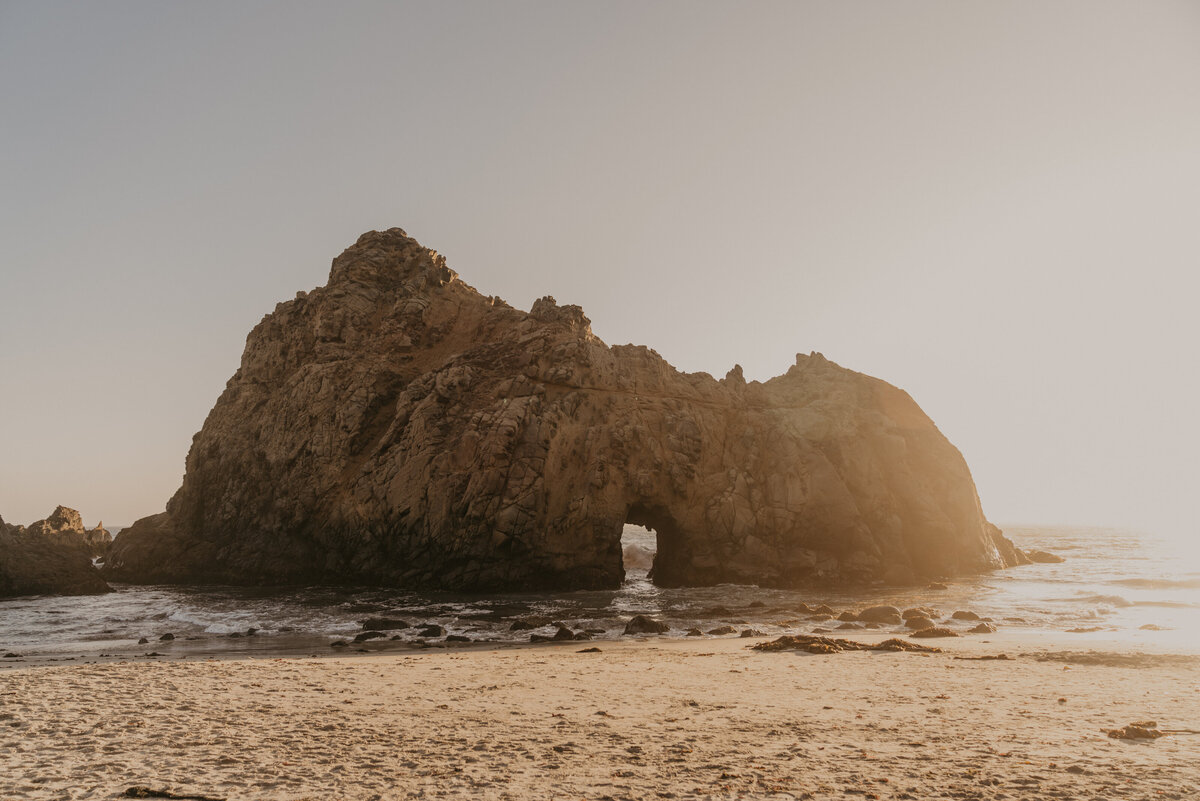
(686, 717)
(282, 646)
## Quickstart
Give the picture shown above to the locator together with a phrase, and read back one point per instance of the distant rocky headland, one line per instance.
(397, 427)
(52, 556)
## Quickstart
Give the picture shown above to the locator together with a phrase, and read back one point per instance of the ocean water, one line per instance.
(1114, 583)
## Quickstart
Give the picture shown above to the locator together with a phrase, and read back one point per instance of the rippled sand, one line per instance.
(703, 718)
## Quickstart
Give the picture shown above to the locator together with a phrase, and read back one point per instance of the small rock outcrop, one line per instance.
(397, 427)
(98, 539)
(642, 624)
(50, 557)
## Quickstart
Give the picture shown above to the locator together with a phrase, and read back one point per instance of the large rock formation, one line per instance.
(397, 427)
(49, 557)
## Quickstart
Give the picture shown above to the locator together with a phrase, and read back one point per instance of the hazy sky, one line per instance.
(995, 206)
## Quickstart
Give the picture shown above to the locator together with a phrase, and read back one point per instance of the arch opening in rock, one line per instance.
(638, 548)
(669, 546)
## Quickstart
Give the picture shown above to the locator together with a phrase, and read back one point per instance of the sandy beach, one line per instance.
(640, 719)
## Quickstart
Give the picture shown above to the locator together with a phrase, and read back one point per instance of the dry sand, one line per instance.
(644, 719)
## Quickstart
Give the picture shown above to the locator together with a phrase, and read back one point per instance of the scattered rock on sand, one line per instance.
(751, 633)
(143, 641)
(847, 617)
(721, 630)
(830, 645)
(918, 623)
(641, 624)
(146, 792)
(983, 628)
(369, 635)
(889, 615)
(431, 630)
(919, 611)
(1143, 730)
(852, 626)
(985, 657)
(166, 637)
(457, 638)
(695, 633)
(964, 614)
(934, 631)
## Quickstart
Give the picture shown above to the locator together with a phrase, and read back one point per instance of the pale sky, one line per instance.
(995, 206)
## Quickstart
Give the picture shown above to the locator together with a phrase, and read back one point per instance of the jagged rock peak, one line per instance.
(547, 310)
(389, 257)
(64, 519)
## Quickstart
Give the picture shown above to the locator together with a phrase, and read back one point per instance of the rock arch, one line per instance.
(397, 427)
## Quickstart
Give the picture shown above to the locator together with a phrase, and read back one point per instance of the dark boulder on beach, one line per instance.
(934, 631)
(888, 615)
(50, 557)
(563, 634)
(396, 427)
(641, 624)
(1044, 557)
(919, 611)
(430, 630)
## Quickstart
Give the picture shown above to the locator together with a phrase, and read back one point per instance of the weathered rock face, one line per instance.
(49, 557)
(397, 427)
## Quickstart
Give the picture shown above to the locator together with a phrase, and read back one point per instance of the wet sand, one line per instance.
(641, 719)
